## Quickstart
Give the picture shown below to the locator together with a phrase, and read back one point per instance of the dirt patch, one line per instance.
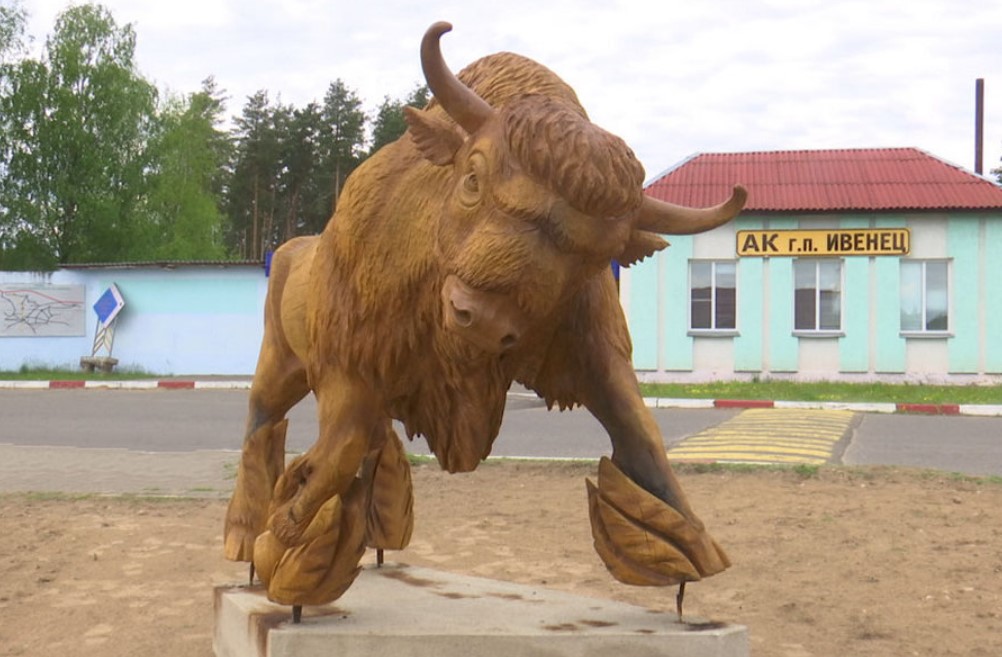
(863, 562)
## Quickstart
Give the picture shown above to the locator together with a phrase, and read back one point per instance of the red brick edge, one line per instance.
(176, 385)
(929, 409)
(64, 385)
(743, 403)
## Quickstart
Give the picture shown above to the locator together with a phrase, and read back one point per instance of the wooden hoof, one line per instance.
(323, 563)
(644, 541)
(390, 516)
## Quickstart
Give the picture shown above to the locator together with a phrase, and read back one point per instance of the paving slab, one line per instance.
(408, 611)
(202, 473)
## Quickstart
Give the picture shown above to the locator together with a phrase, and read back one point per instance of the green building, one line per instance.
(869, 264)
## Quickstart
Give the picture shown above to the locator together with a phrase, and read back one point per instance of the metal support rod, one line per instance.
(297, 614)
(979, 126)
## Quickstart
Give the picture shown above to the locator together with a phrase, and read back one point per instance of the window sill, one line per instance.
(818, 334)
(713, 333)
(926, 335)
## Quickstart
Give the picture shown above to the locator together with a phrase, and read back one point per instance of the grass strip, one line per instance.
(829, 391)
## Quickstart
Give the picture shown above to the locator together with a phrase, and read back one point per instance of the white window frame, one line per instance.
(922, 331)
(713, 329)
(818, 332)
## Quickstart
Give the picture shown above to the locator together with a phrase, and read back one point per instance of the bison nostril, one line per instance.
(463, 317)
(508, 341)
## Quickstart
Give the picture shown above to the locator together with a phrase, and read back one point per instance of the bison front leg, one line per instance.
(316, 526)
(644, 529)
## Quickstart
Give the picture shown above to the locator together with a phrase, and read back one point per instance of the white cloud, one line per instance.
(672, 78)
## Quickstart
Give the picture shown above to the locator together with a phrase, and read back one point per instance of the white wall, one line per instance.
(181, 320)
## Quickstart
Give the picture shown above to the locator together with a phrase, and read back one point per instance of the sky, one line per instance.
(671, 77)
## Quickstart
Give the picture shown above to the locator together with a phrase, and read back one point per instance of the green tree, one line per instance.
(341, 142)
(188, 156)
(13, 26)
(75, 156)
(389, 123)
(289, 164)
(299, 191)
(253, 185)
(15, 252)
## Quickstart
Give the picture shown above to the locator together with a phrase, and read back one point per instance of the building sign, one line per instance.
(824, 242)
(41, 311)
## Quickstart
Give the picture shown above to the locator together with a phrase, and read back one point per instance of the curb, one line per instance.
(979, 410)
(163, 384)
(982, 410)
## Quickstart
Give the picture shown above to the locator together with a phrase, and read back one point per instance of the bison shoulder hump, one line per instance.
(500, 77)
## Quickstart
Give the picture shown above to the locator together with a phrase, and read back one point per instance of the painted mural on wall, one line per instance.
(42, 310)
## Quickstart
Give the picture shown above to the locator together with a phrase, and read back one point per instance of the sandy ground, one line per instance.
(843, 562)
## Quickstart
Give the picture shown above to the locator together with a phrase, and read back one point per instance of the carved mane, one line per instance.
(593, 169)
(382, 321)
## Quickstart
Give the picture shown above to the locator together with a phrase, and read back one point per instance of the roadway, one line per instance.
(189, 420)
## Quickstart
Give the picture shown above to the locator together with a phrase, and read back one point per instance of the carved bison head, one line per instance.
(541, 201)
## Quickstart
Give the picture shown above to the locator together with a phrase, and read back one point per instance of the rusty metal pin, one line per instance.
(250, 580)
(297, 614)
(379, 557)
(679, 598)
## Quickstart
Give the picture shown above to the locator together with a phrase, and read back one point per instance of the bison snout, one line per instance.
(490, 320)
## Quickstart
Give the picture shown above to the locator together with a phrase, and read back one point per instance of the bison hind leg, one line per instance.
(260, 466)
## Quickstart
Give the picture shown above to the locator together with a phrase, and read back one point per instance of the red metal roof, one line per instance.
(873, 179)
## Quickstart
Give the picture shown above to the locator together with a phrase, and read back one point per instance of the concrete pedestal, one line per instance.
(405, 611)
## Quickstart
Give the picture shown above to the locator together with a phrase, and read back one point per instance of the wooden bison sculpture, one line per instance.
(473, 252)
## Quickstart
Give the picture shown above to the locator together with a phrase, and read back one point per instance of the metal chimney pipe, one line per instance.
(979, 125)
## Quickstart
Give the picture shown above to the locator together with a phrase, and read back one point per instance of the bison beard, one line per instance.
(384, 323)
(519, 202)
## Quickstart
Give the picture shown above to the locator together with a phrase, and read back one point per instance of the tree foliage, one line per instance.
(290, 165)
(255, 168)
(76, 123)
(13, 24)
(188, 155)
(97, 166)
(389, 124)
(342, 139)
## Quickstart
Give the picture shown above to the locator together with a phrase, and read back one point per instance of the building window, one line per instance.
(712, 295)
(925, 296)
(817, 301)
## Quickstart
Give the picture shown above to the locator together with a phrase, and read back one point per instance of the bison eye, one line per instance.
(471, 184)
(470, 188)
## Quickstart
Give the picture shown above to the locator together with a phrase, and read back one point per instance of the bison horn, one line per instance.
(459, 101)
(667, 218)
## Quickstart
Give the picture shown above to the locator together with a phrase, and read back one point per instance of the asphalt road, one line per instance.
(187, 420)
(970, 445)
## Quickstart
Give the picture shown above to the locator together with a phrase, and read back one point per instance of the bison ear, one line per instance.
(438, 140)
(640, 245)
